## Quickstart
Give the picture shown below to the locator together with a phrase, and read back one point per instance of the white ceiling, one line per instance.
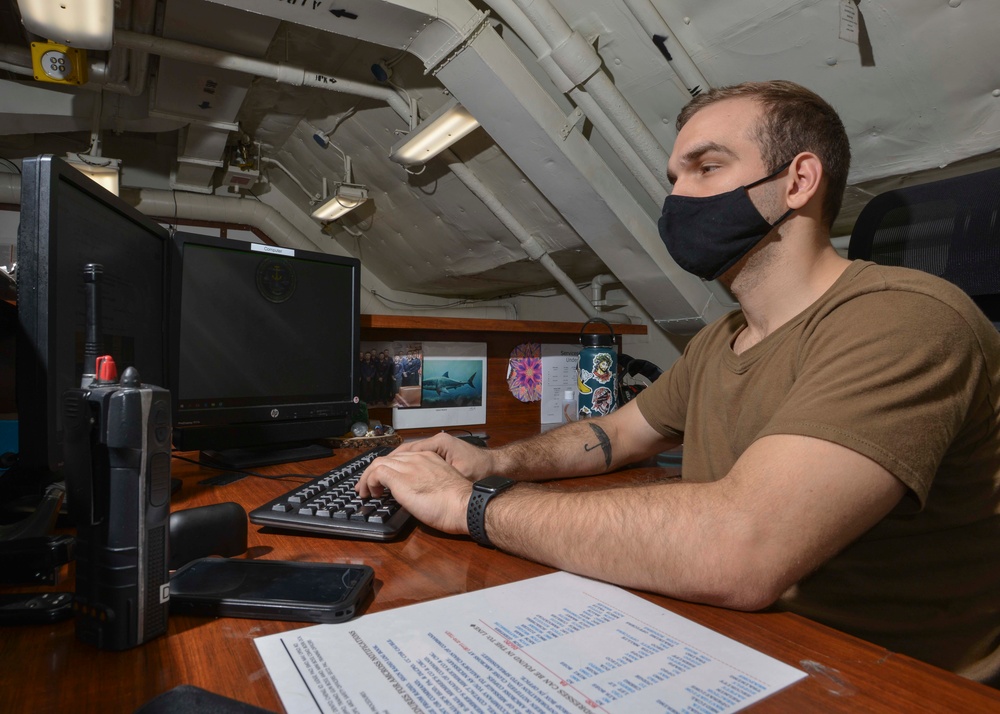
(919, 94)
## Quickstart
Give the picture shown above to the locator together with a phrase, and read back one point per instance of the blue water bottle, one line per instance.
(598, 371)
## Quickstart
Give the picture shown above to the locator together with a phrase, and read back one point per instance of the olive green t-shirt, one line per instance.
(903, 368)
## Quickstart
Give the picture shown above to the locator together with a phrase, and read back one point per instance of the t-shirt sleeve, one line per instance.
(895, 390)
(664, 404)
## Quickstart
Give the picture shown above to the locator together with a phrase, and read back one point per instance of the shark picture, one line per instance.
(444, 383)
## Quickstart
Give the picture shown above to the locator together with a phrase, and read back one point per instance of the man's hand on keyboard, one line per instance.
(473, 462)
(425, 484)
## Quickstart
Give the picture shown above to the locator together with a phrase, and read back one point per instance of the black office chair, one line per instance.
(950, 228)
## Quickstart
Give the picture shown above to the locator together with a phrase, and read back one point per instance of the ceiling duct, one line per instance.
(455, 42)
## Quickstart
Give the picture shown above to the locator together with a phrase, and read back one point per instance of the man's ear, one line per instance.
(806, 174)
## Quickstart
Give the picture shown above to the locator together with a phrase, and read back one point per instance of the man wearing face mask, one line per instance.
(840, 430)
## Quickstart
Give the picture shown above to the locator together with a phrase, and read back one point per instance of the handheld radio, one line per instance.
(117, 467)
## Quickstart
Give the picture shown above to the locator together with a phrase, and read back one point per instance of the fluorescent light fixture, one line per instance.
(439, 131)
(346, 197)
(101, 169)
(84, 24)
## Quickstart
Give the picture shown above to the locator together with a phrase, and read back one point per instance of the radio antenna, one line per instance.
(92, 337)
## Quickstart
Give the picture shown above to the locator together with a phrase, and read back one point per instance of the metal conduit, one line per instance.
(192, 206)
(141, 17)
(301, 77)
(286, 74)
(531, 246)
(576, 58)
(513, 15)
(679, 61)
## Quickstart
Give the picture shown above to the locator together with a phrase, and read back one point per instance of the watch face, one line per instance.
(492, 484)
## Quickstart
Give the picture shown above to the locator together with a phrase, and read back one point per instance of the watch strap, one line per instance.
(475, 514)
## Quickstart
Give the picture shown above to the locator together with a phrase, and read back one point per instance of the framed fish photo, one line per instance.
(452, 387)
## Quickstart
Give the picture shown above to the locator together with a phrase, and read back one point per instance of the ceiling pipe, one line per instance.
(313, 197)
(530, 244)
(168, 205)
(597, 286)
(10, 189)
(16, 55)
(279, 72)
(471, 60)
(140, 16)
(300, 77)
(619, 143)
(582, 65)
(676, 56)
(206, 207)
(17, 59)
(117, 60)
(16, 68)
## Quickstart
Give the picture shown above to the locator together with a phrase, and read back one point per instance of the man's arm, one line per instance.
(787, 506)
(575, 449)
(591, 446)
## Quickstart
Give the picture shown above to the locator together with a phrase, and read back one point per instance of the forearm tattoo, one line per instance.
(603, 441)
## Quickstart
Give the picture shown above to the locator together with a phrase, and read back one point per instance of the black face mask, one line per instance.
(708, 235)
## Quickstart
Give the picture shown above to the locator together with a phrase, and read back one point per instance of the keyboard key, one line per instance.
(329, 504)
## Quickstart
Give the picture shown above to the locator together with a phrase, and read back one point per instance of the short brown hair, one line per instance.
(794, 120)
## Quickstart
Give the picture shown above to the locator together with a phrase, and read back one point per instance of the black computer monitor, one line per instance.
(263, 349)
(67, 221)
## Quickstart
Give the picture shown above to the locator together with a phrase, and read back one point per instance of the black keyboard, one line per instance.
(329, 505)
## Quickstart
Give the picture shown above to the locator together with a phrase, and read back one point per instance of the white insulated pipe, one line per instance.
(582, 65)
(141, 17)
(16, 68)
(531, 246)
(313, 197)
(679, 60)
(208, 207)
(621, 145)
(193, 206)
(200, 206)
(597, 286)
(279, 72)
(161, 204)
(17, 59)
(10, 189)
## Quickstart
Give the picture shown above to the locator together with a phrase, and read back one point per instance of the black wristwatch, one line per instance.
(482, 491)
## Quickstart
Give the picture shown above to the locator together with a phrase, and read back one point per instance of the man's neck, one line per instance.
(774, 293)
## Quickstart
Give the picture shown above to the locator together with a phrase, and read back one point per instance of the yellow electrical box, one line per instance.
(57, 63)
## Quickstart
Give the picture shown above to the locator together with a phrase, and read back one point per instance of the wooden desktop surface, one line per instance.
(43, 668)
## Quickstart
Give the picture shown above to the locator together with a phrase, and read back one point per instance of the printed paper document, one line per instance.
(557, 643)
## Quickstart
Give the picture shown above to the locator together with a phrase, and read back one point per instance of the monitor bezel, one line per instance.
(253, 425)
(39, 439)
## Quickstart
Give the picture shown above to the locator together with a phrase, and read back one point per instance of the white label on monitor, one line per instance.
(272, 249)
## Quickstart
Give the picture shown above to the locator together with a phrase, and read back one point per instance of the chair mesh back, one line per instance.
(948, 228)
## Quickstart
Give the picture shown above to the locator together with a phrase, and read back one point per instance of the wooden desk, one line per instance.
(43, 668)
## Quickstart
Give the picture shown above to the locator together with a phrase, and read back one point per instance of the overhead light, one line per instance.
(101, 169)
(84, 24)
(439, 131)
(62, 64)
(346, 197)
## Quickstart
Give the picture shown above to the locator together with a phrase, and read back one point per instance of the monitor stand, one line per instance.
(241, 459)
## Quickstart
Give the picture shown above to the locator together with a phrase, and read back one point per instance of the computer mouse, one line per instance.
(474, 440)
